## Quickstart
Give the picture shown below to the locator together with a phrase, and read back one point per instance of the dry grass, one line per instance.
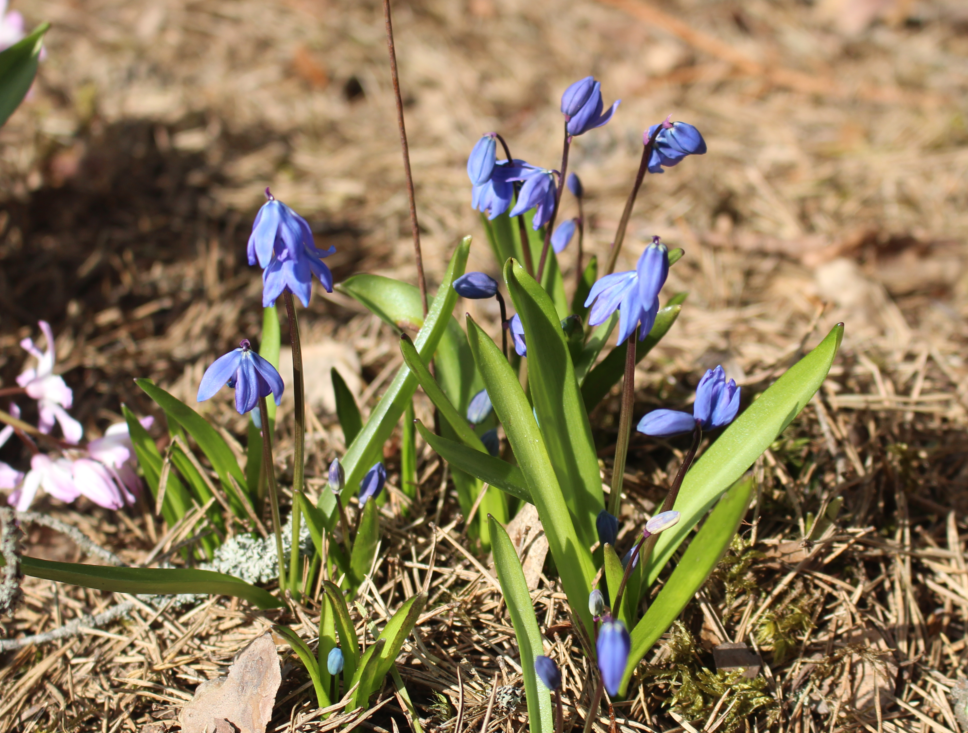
(834, 190)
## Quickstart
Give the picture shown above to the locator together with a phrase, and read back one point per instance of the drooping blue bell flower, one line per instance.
(248, 373)
(674, 142)
(633, 293)
(492, 442)
(482, 159)
(574, 185)
(613, 646)
(563, 234)
(372, 483)
(547, 672)
(538, 192)
(475, 286)
(716, 405)
(334, 662)
(582, 105)
(517, 335)
(494, 196)
(479, 408)
(607, 526)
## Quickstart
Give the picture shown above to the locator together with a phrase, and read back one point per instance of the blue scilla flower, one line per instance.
(716, 405)
(248, 373)
(547, 672)
(674, 142)
(574, 185)
(475, 285)
(334, 662)
(633, 293)
(582, 105)
(563, 234)
(372, 483)
(538, 192)
(494, 196)
(613, 646)
(517, 335)
(607, 526)
(479, 408)
(482, 159)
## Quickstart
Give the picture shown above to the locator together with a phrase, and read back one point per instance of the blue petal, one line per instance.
(629, 312)
(372, 483)
(246, 385)
(217, 375)
(666, 423)
(273, 283)
(603, 119)
(292, 232)
(590, 111)
(613, 645)
(707, 393)
(271, 376)
(263, 235)
(652, 269)
(529, 196)
(647, 319)
(576, 95)
(480, 407)
(574, 184)
(607, 526)
(319, 268)
(481, 162)
(609, 297)
(475, 285)
(727, 406)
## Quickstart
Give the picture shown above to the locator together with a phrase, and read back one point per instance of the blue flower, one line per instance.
(607, 526)
(628, 556)
(517, 335)
(547, 672)
(634, 293)
(563, 234)
(596, 603)
(494, 196)
(337, 477)
(538, 192)
(660, 523)
(674, 142)
(372, 483)
(248, 373)
(479, 408)
(491, 442)
(716, 405)
(481, 162)
(334, 662)
(581, 104)
(613, 646)
(574, 185)
(475, 285)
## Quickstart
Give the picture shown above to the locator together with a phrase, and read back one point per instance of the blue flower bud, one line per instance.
(661, 522)
(372, 483)
(563, 234)
(337, 477)
(517, 335)
(652, 269)
(607, 526)
(577, 95)
(481, 162)
(574, 185)
(596, 603)
(613, 645)
(547, 672)
(479, 408)
(666, 423)
(334, 662)
(581, 104)
(476, 285)
(717, 401)
(491, 442)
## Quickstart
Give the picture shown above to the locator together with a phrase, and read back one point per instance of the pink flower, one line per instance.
(100, 484)
(115, 450)
(55, 476)
(11, 26)
(50, 391)
(10, 477)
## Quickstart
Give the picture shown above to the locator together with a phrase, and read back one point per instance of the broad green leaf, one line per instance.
(397, 630)
(394, 401)
(348, 643)
(526, 630)
(588, 278)
(500, 474)
(212, 444)
(18, 66)
(308, 659)
(609, 370)
(366, 675)
(327, 640)
(365, 540)
(157, 581)
(743, 442)
(512, 407)
(347, 410)
(551, 280)
(557, 400)
(613, 576)
(698, 561)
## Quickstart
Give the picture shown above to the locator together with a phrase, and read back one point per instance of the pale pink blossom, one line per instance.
(11, 26)
(10, 477)
(55, 476)
(51, 392)
(100, 484)
(115, 450)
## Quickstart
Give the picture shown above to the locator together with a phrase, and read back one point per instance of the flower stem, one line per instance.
(579, 273)
(504, 325)
(593, 708)
(299, 461)
(414, 226)
(269, 472)
(525, 241)
(344, 523)
(554, 214)
(624, 221)
(624, 425)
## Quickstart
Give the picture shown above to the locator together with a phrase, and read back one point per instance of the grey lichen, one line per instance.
(10, 573)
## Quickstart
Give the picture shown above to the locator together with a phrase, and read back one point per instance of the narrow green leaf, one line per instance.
(364, 544)
(308, 659)
(512, 407)
(558, 402)
(366, 675)
(593, 347)
(396, 631)
(408, 456)
(613, 576)
(347, 410)
(348, 643)
(588, 278)
(314, 520)
(698, 561)
(526, 629)
(743, 442)
(501, 236)
(609, 370)
(158, 581)
(18, 66)
(551, 280)
(327, 641)
(500, 474)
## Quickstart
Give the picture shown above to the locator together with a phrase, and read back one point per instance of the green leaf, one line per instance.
(327, 641)
(394, 401)
(347, 410)
(551, 279)
(269, 350)
(613, 576)
(609, 370)
(588, 278)
(366, 539)
(349, 644)
(593, 347)
(526, 629)
(500, 474)
(698, 561)
(308, 659)
(408, 456)
(367, 675)
(557, 400)
(501, 237)
(158, 581)
(212, 444)
(18, 66)
(396, 631)
(314, 520)
(743, 442)
(512, 407)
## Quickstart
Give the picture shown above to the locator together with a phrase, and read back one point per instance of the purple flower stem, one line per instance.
(593, 708)
(268, 470)
(421, 280)
(627, 213)
(550, 227)
(299, 462)
(522, 230)
(504, 326)
(624, 425)
(581, 236)
(504, 144)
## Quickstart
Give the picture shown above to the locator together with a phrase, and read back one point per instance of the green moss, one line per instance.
(780, 628)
